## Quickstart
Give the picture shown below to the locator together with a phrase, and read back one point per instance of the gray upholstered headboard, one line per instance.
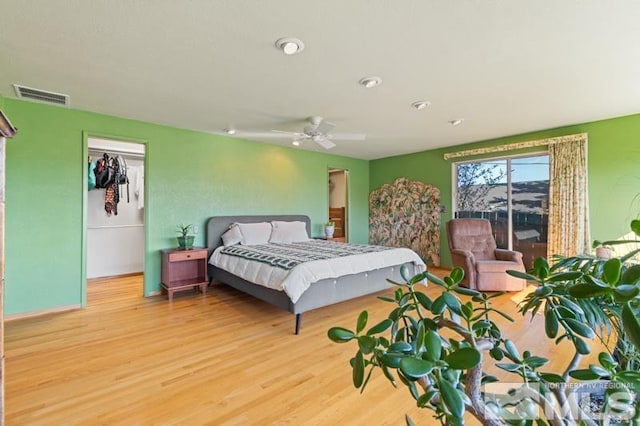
(217, 225)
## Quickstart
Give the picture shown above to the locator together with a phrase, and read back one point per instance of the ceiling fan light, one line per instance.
(289, 45)
(421, 105)
(369, 82)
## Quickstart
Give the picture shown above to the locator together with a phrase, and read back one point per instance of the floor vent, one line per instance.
(41, 95)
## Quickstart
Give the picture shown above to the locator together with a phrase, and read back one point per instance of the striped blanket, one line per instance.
(287, 256)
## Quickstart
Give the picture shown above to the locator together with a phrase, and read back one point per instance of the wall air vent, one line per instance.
(25, 92)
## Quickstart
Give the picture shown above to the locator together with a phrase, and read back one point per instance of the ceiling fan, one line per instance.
(316, 131)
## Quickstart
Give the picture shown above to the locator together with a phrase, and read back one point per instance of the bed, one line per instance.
(320, 293)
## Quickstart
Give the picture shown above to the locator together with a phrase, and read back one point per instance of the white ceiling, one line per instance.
(505, 66)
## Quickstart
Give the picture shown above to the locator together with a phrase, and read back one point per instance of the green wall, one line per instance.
(191, 176)
(614, 176)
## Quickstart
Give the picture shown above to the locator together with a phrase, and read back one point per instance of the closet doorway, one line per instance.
(114, 225)
(339, 203)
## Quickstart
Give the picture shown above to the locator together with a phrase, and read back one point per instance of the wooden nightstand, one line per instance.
(184, 269)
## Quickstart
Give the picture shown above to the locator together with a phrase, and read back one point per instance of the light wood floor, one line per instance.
(219, 359)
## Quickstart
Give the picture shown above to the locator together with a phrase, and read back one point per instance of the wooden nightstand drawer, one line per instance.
(179, 256)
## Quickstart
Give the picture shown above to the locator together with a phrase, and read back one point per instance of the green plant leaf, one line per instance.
(522, 275)
(496, 353)
(340, 335)
(535, 361)
(552, 377)
(631, 325)
(415, 368)
(612, 270)
(550, 324)
(467, 310)
(581, 346)
(457, 274)
(625, 292)
(463, 359)
(541, 267)
(362, 321)
(512, 350)
(599, 371)
(543, 291)
(433, 344)
(435, 279)
(438, 305)
(367, 344)
(635, 226)
(509, 366)
(380, 327)
(419, 338)
(583, 375)
(571, 305)
(409, 420)
(564, 276)
(451, 398)
(587, 290)
(391, 360)
(631, 275)
(580, 328)
(401, 347)
(418, 278)
(424, 300)
(426, 398)
(404, 273)
(452, 302)
(466, 291)
(358, 370)
(606, 360)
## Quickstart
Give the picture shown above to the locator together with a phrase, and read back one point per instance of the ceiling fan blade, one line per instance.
(256, 134)
(348, 136)
(323, 142)
(290, 134)
(325, 127)
(273, 134)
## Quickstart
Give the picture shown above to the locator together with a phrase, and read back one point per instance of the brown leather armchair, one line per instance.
(473, 248)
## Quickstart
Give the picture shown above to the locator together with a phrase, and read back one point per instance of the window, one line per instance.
(512, 193)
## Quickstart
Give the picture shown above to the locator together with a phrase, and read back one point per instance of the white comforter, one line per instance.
(295, 281)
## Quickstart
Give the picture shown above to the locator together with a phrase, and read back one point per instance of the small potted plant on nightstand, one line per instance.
(185, 241)
(329, 229)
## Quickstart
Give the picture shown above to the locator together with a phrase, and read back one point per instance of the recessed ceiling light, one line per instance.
(290, 45)
(230, 131)
(421, 104)
(370, 82)
(456, 122)
(295, 143)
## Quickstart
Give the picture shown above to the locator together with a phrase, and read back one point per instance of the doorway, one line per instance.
(114, 235)
(339, 203)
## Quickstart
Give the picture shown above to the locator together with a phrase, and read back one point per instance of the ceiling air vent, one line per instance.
(41, 95)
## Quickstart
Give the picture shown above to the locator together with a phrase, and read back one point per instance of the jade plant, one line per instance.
(439, 348)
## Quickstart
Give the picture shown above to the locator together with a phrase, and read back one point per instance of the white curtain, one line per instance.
(568, 199)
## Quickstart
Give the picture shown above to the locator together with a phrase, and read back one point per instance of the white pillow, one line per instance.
(296, 229)
(280, 236)
(232, 236)
(254, 233)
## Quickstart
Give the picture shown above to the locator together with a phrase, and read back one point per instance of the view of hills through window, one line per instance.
(482, 191)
